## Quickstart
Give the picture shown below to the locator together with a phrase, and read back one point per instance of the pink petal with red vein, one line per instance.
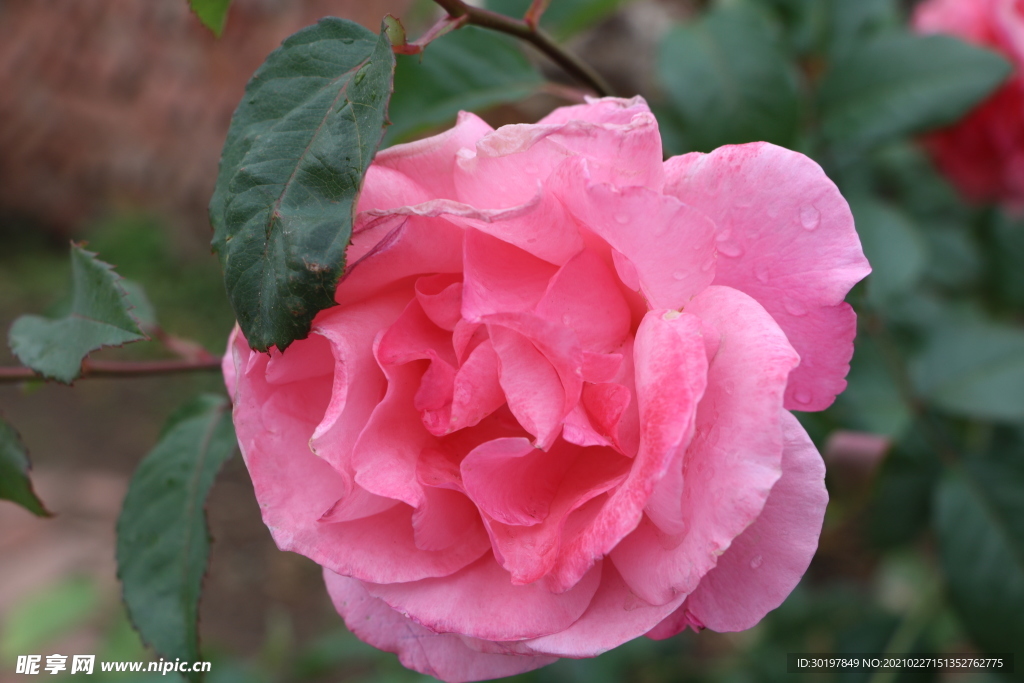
(796, 252)
(670, 378)
(450, 658)
(734, 458)
(480, 602)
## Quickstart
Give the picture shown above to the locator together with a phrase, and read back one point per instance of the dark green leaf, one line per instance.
(469, 69)
(900, 84)
(162, 538)
(98, 317)
(14, 468)
(563, 18)
(294, 161)
(974, 369)
(893, 247)
(728, 81)
(213, 13)
(872, 401)
(979, 520)
(139, 305)
(901, 499)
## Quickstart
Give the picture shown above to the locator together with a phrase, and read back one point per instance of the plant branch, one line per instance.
(533, 35)
(91, 368)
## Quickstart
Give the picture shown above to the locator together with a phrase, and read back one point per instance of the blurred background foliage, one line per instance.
(923, 545)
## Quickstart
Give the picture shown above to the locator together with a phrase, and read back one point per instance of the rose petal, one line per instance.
(671, 369)
(596, 312)
(765, 563)
(796, 252)
(734, 458)
(670, 245)
(480, 602)
(615, 616)
(500, 278)
(447, 657)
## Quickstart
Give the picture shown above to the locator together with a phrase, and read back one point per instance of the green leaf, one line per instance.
(294, 161)
(872, 401)
(728, 81)
(901, 499)
(900, 84)
(15, 485)
(979, 521)
(564, 17)
(98, 317)
(213, 13)
(974, 369)
(469, 69)
(162, 538)
(895, 250)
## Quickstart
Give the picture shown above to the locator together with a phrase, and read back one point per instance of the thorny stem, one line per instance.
(95, 368)
(533, 35)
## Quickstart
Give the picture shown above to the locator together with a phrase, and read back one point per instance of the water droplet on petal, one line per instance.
(761, 272)
(678, 275)
(730, 249)
(706, 266)
(810, 217)
(802, 396)
(723, 235)
(756, 562)
(795, 307)
(566, 320)
(621, 218)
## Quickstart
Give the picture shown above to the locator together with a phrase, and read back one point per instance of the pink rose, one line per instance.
(550, 412)
(983, 154)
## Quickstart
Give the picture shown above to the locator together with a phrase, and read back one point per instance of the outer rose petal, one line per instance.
(795, 251)
(447, 657)
(480, 601)
(616, 615)
(764, 564)
(295, 488)
(734, 458)
(421, 170)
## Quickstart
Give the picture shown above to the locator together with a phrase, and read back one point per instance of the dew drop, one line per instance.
(621, 218)
(761, 272)
(756, 562)
(810, 217)
(795, 307)
(802, 396)
(706, 266)
(724, 235)
(678, 275)
(730, 249)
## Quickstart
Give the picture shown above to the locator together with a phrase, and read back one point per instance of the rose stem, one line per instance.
(118, 369)
(533, 35)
